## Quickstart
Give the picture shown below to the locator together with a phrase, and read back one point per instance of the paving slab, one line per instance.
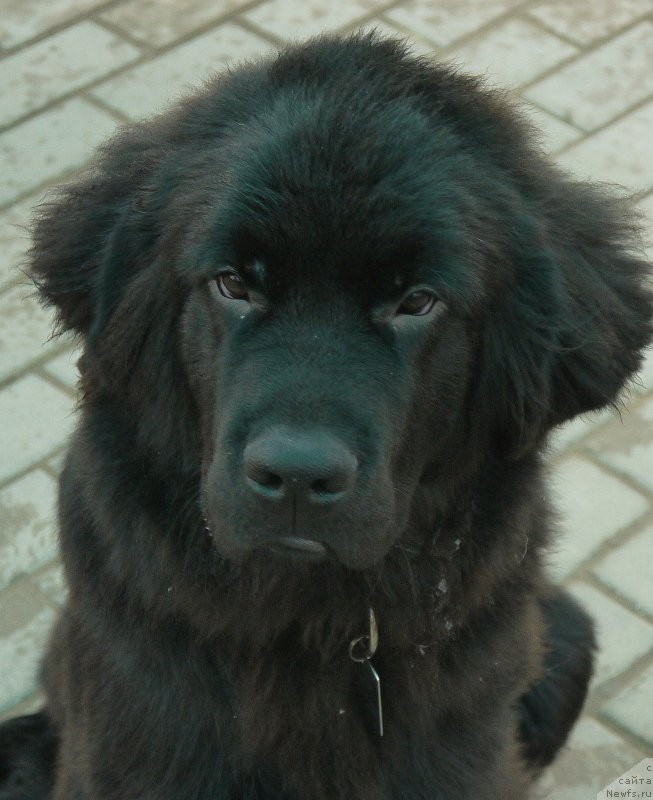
(448, 20)
(290, 20)
(631, 708)
(32, 703)
(37, 419)
(586, 21)
(25, 330)
(51, 582)
(419, 45)
(593, 507)
(73, 58)
(159, 22)
(45, 147)
(623, 637)
(63, 368)
(513, 53)
(593, 758)
(24, 19)
(602, 83)
(603, 156)
(628, 570)
(555, 134)
(150, 88)
(627, 445)
(14, 241)
(56, 463)
(28, 537)
(26, 620)
(571, 432)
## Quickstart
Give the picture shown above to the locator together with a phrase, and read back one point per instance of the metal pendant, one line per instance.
(368, 682)
(368, 691)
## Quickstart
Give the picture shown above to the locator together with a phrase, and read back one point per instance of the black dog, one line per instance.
(331, 307)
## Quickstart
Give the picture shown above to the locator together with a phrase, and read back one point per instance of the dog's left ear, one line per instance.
(607, 297)
(568, 328)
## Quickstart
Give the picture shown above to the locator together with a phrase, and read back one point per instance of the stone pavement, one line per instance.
(74, 69)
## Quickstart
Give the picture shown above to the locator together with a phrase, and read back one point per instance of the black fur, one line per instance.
(549, 710)
(198, 657)
(28, 748)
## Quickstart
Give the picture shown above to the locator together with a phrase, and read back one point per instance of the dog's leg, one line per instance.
(28, 747)
(550, 709)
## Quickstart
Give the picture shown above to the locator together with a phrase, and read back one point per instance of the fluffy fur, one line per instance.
(195, 658)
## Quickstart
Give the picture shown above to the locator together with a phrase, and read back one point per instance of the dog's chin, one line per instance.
(294, 553)
(275, 562)
(298, 549)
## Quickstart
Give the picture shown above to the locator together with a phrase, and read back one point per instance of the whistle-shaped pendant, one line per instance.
(368, 689)
(368, 682)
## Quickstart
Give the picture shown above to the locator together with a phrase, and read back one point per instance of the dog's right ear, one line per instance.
(94, 223)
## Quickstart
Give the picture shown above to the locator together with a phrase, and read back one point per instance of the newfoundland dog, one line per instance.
(331, 306)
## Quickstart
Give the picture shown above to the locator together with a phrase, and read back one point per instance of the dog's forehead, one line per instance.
(332, 192)
(369, 198)
(358, 251)
(332, 276)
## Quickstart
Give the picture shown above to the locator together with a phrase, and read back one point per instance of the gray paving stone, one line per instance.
(56, 463)
(14, 241)
(447, 20)
(593, 507)
(48, 145)
(23, 19)
(640, 775)
(28, 538)
(59, 64)
(52, 583)
(604, 157)
(64, 368)
(149, 88)
(37, 419)
(288, 19)
(419, 45)
(628, 570)
(628, 446)
(25, 623)
(25, 328)
(623, 637)
(596, 87)
(571, 432)
(555, 133)
(586, 21)
(512, 53)
(159, 22)
(593, 757)
(32, 703)
(631, 708)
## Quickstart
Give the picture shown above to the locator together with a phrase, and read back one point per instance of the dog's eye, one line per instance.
(232, 286)
(418, 303)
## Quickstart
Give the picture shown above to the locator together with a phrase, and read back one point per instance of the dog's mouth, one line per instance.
(299, 548)
(296, 548)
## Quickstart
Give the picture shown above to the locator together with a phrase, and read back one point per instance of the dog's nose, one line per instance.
(284, 463)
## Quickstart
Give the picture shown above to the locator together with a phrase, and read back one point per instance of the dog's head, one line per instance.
(333, 283)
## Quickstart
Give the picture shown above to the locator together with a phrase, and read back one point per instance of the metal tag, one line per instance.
(368, 690)
(368, 682)
(363, 647)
